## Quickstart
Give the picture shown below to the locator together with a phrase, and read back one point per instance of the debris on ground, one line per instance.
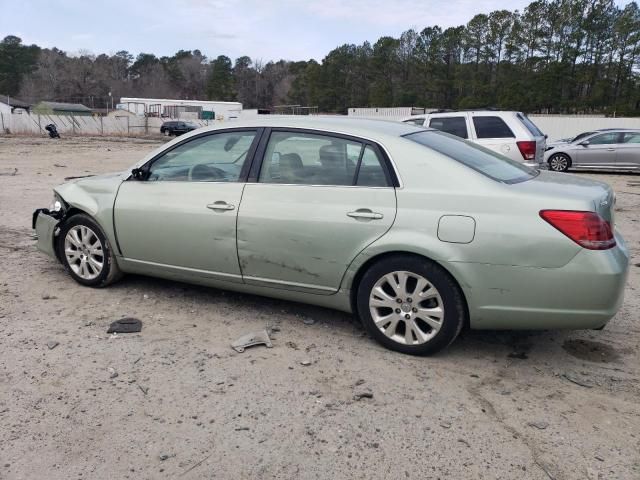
(12, 174)
(144, 390)
(308, 321)
(112, 372)
(49, 297)
(305, 363)
(293, 345)
(125, 325)
(364, 394)
(538, 425)
(251, 339)
(52, 344)
(445, 424)
(577, 381)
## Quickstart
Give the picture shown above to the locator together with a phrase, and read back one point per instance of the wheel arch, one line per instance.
(362, 269)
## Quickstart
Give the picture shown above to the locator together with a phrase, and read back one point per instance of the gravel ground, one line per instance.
(176, 401)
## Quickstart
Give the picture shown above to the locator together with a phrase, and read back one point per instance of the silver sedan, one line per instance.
(608, 149)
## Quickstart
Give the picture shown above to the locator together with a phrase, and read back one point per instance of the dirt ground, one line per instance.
(175, 401)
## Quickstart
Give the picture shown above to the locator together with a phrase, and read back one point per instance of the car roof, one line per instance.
(359, 127)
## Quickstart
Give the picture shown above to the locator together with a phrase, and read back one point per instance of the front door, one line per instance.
(318, 201)
(599, 150)
(183, 216)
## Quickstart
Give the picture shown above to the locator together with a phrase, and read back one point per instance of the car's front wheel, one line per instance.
(411, 304)
(559, 162)
(85, 252)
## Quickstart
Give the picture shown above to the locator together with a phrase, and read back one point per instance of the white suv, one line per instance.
(510, 133)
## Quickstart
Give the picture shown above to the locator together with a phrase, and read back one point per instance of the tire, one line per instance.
(78, 242)
(443, 306)
(167, 133)
(559, 162)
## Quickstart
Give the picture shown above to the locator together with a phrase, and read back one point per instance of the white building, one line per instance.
(186, 109)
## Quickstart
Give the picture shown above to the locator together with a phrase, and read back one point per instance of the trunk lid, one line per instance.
(563, 191)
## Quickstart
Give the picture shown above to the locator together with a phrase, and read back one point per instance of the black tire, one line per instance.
(455, 311)
(109, 272)
(561, 165)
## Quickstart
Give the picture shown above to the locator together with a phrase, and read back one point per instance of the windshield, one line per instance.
(480, 159)
(581, 135)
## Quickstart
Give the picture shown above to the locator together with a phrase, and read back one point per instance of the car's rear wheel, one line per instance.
(559, 162)
(411, 305)
(85, 252)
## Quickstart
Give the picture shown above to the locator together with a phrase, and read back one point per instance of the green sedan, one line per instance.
(417, 233)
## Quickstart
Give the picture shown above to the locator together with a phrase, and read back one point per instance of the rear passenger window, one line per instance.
(316, 159)
(454, 125)
(371, 172)
(491, 127)
(631, 138)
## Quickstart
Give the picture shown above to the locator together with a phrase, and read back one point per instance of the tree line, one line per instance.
(559, 56)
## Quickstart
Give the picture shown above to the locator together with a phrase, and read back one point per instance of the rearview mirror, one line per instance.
(230, 143)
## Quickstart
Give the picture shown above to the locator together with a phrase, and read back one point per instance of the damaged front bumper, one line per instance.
(45, 224)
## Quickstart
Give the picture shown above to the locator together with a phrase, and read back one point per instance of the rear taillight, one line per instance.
(587, 229)
(527, 149)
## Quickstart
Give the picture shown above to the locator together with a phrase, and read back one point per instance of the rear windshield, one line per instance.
(480, 159)
(535, 131)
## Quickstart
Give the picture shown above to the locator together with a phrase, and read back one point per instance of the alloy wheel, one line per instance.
(406, 308)
(558, 163)
(83, 252)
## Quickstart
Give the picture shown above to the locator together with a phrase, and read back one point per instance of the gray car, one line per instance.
(609, 149)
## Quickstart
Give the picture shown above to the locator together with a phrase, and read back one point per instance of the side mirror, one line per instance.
(139, 174)
(584, 144)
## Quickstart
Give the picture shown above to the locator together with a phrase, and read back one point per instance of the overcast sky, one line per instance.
(266, 29)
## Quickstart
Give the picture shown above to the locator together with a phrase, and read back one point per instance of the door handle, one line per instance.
(365, 213)
(220, 205)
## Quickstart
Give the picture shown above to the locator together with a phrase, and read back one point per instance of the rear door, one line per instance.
(597, 151)
(628, 151)
(454, 123)
(317, 199)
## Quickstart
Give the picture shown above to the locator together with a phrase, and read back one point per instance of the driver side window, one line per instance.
(218, 157)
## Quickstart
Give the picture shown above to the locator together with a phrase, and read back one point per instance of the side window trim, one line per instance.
(244, 173)
(259, 155)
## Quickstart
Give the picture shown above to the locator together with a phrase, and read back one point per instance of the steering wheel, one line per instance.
(203, 172)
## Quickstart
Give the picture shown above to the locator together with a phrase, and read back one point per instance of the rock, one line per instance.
(145, 296)
(112, 372)
(163, 457)
(538, 425)
(305, 363)
(52, 344)
(308, 321)
(49, 297)
(360, 395)
(445, 424)
(359, 382)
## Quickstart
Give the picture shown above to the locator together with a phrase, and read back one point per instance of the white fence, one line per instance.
(126, 125)
(555, 126)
